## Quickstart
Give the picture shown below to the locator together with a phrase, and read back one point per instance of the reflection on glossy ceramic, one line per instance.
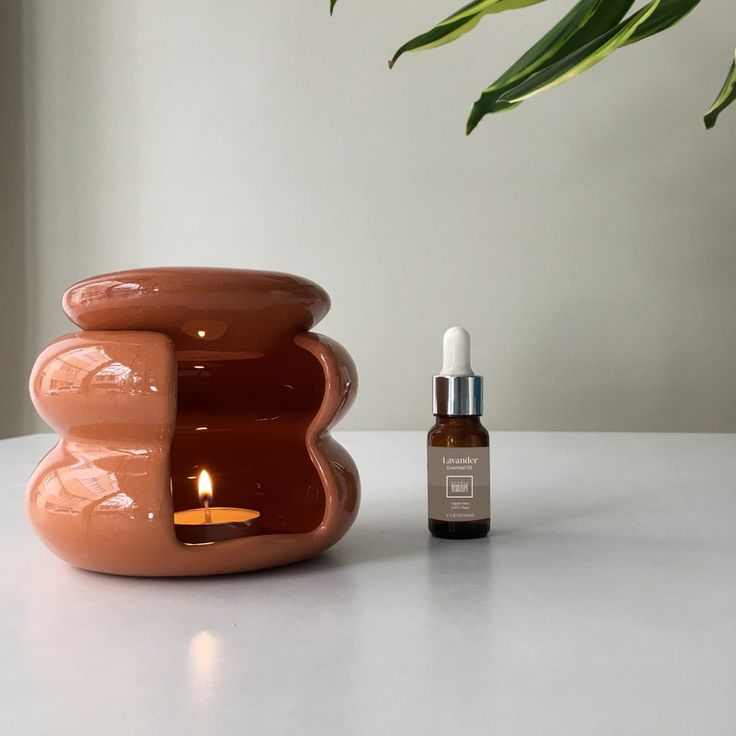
(183, 369)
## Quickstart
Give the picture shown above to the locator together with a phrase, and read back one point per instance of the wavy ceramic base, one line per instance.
(178, 370)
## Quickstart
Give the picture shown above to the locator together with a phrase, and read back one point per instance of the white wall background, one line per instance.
(586, 239)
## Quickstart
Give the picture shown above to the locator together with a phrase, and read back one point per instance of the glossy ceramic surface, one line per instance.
(179, 370)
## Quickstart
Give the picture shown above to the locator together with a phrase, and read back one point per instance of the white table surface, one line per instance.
(604, 603)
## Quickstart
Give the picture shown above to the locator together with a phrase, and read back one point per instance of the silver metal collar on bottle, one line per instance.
(457, 396)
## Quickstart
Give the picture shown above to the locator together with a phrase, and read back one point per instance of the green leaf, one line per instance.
(332, 5)
(725, 97)
(598, 37)
(458, 24)
(666, 15)
(581, 59)
(587, 20)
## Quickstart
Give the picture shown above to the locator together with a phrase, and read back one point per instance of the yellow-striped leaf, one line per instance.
(725, 97)
(581, 51)
(587, 20)
(458, 24)
(667, 14)
(580, 60)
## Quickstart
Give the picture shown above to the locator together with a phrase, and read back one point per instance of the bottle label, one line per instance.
(459, 483)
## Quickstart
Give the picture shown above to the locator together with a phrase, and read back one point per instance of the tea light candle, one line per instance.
(212, 523)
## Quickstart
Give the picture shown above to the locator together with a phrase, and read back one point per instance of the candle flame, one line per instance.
(204, 486)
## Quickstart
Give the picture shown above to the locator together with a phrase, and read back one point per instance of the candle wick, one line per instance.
(207, 512)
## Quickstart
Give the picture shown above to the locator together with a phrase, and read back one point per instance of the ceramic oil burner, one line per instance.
(194, 411)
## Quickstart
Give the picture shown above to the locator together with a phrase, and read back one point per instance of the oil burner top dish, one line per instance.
(194, 411)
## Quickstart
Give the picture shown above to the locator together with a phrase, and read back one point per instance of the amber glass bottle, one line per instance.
(458, 459)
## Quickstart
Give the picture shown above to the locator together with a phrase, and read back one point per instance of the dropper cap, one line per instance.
(457, 390)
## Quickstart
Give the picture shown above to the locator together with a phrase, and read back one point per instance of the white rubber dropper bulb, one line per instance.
(456, 353)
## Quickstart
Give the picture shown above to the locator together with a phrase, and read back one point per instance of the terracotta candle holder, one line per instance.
(179, 371)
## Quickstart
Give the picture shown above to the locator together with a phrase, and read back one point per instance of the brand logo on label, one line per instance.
(459, 486)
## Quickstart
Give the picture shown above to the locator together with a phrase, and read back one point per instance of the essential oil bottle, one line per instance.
(458, 455)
